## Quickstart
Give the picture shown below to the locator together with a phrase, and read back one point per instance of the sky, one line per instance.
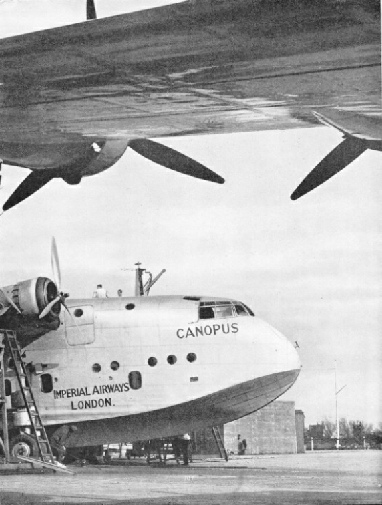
(311, 268)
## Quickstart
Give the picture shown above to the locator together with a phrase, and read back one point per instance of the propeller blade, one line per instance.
(55, 263)
(334, 162)
(35, 181)
(4, 310)
(90, 10)
(49, 306)
(169, 158)
(10, 301)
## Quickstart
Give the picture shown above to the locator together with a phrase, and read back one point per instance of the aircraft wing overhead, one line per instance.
(72, 99)
(202, 66)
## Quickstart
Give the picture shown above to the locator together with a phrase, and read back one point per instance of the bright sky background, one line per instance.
(312, 268)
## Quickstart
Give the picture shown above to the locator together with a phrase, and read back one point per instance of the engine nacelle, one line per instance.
(31, 296)
(109, 153)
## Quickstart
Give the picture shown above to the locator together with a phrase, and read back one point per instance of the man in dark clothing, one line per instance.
(185, 444)
(58, 440)
(176, 448)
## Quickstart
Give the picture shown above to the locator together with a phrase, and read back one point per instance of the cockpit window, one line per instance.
(206, 313)
(223, 309)
(250, 312)
(240, 310)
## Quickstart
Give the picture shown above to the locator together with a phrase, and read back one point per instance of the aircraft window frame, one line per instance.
(135, 380)
(152, 361)
(46, 381)
(172, 359)
(224, 311)
(96, 368)
(240, 310)
(114, 365)
(250, 311)
(130, 306)
(205, 311)
(78, 312)
(191, 357)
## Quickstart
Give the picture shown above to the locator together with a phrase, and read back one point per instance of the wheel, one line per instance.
(23, 445)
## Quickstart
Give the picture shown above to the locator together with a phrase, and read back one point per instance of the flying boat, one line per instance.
(136, 368)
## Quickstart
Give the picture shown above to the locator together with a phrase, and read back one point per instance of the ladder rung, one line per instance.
(19, 370)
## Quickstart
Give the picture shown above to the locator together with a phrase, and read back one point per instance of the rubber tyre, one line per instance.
(23, 445)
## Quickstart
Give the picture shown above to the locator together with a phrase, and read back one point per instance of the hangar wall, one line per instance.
(275, 429)
(271, 430)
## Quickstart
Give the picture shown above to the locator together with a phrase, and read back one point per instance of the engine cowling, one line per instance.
(31, 296)
(108, 153)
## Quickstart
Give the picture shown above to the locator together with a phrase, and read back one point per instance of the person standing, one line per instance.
(244, 445)
(119, 292)
(100, 292)
(185, 444)
(176, 449)
(240, 447)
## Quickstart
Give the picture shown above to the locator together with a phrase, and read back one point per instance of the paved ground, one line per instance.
(312, 478)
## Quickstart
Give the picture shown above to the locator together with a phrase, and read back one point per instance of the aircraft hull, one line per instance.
(212, 410)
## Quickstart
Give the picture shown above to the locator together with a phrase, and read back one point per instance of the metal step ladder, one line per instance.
(4, 445)
(219, 442)
(38, 430)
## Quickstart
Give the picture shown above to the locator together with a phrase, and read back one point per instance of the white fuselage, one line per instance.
(137, 368)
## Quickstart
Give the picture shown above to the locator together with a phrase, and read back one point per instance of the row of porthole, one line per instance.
(80, 312)
(171, 359)
(114, 365)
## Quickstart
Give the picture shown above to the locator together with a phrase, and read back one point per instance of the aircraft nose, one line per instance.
(288, 354)
(272, 351)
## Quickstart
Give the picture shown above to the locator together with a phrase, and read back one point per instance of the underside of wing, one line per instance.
(72, 99)
(191, 68)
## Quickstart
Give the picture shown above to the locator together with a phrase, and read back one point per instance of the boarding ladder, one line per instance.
(219, 443)
(4, 444)
(38, 430)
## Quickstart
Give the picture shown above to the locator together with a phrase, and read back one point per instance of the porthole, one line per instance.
(152, 361)
(46, 383)
(78, 312)
(135, 380)
(114, 365)
(130, 306)
(96, 367)
(191, 357)
(171, 359)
